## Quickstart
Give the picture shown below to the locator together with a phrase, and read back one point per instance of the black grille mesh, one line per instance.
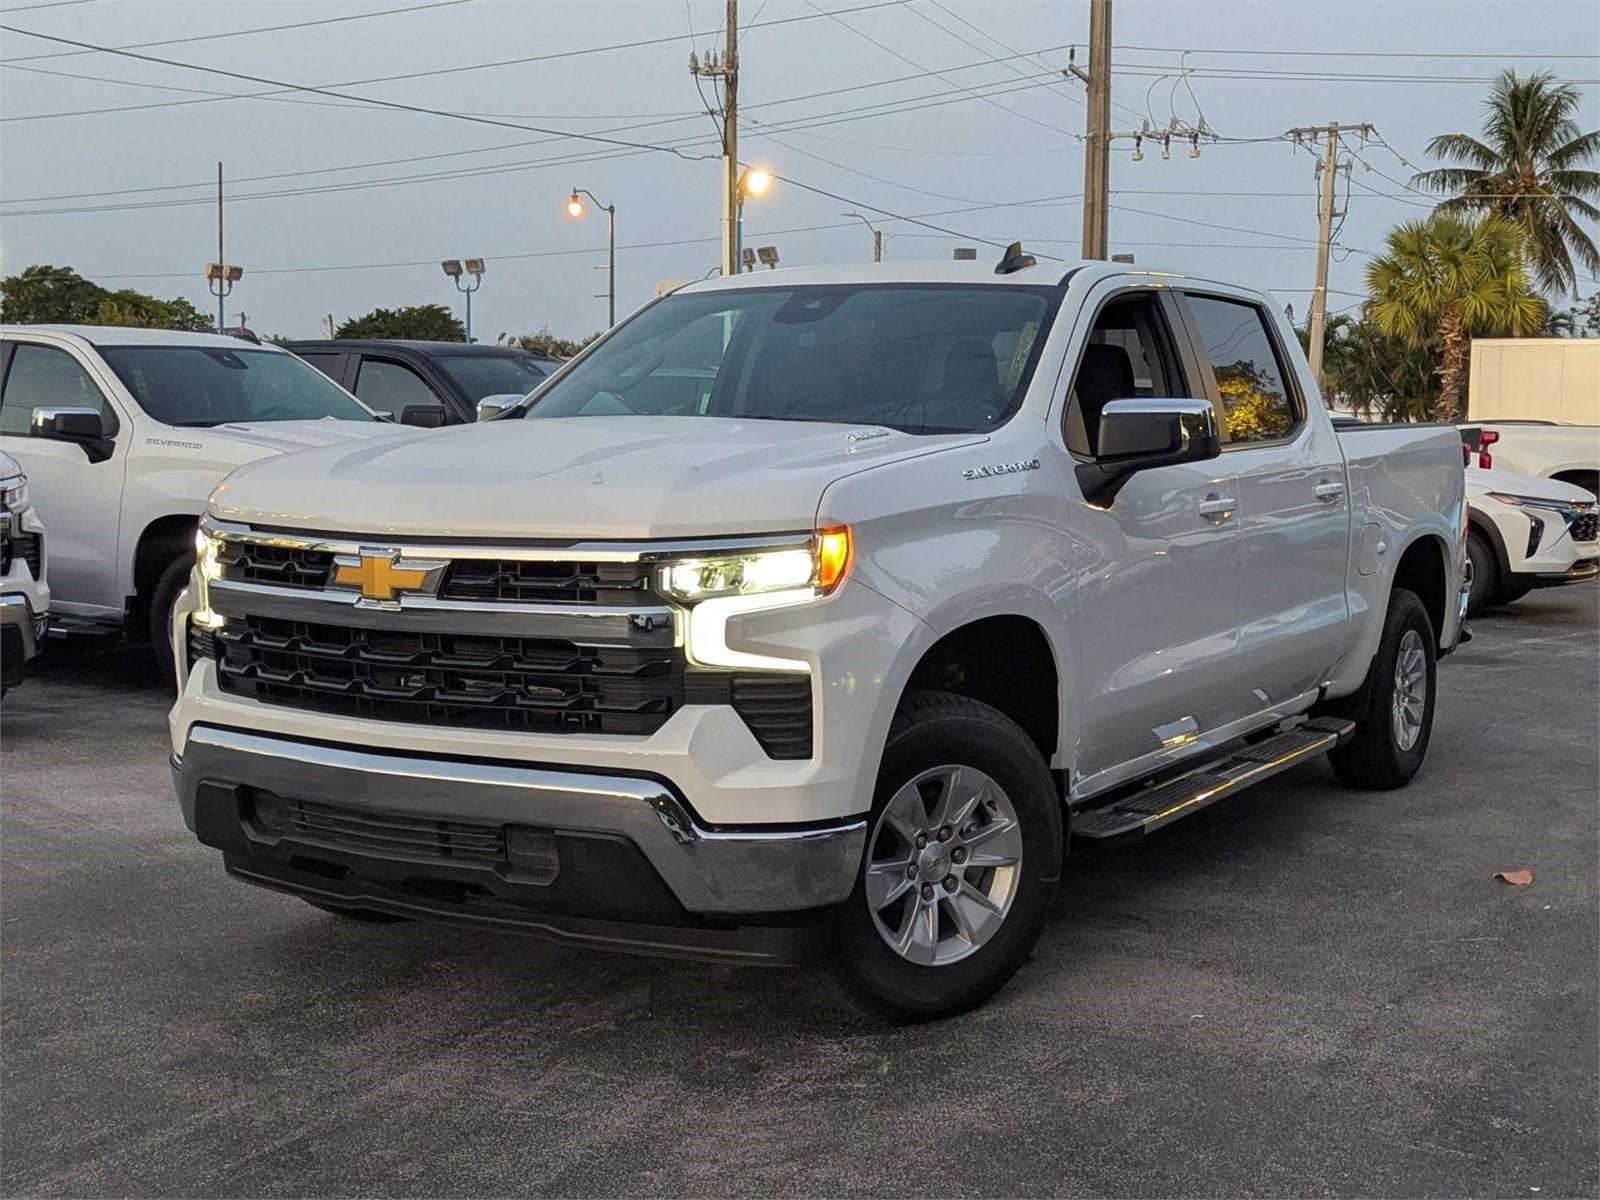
(395, 836)
(1586, 527)
(526, 684)
(518, 581)
(29, 547)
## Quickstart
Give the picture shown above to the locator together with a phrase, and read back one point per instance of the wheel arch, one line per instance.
(163, 539)
(1479, 520)
(1004, 660)
(1423, 568)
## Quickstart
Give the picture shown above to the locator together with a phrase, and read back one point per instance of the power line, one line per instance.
(210, 37)
(862, 112)
(282, 88)
(52, 4)
(887, 49)
(1348, 53)
(1068, 97)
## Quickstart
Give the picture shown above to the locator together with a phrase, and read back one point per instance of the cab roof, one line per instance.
(125, 335)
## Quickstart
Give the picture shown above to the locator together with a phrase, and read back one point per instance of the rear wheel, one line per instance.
(1483, 573)
(1391, 740)
(962, 859)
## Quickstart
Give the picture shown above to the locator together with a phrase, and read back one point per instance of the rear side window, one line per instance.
(327, 363)
(46, 376)
(1257, 403)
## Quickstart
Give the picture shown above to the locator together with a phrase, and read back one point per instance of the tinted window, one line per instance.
(924, 359)
(481, 375)
(45, 375)
(389, 386)
(328, 364)
(206, 385)
(1256, 401)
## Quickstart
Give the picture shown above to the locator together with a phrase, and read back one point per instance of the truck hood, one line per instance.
(279, 437)
(570, 478)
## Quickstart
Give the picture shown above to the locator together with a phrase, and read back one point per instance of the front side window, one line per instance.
(213, 385)
(47, 376)
(1126, 357)
(391, 386)
(1256, 401)
(919, 358)
(481, 375)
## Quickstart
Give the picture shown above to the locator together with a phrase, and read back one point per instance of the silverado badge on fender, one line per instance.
(1010, 468)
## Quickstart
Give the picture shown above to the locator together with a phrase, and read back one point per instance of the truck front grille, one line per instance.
(534, 685)
(526, 684)
(276, 566)
(517, 581)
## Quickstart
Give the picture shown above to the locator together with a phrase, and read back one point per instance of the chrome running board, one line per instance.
(1152, 807)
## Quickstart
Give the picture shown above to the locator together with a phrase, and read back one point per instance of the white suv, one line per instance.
(1526, 533)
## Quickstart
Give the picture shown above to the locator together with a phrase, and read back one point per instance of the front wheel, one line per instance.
(962, 859)
(173, 579)
(1391, 741)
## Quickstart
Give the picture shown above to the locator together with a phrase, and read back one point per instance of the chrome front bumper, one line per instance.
(711, 872)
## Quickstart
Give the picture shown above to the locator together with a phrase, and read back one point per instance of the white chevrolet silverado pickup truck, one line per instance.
(123, 434)
(812, 614)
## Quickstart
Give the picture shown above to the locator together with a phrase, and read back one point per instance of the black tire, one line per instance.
(173, 579)
(368, 916)
(1374, 758)
(1485, 567)
(931, 730)
(1511, 595)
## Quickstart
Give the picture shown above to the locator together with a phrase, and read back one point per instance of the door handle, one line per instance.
(1216, 506)
(1329, 491)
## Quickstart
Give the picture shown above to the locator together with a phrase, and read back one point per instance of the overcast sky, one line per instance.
(493, 189)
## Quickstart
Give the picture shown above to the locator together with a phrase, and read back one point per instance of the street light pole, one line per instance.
(475, 268)
(877, 235)
(575, 207)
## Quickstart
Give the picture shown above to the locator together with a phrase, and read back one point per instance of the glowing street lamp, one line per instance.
(753, 181)
(575, 209)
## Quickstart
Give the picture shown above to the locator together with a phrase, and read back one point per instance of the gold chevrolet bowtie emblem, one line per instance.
(381, 574)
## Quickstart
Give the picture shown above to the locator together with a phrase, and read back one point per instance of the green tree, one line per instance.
(421, 322)
(1375, 374)
(1581, 320)
(1528, 167)
(46, 295)
(132, 308)
(1446, 279)
(551, 344)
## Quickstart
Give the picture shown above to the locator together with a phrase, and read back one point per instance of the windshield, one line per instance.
(211, 385)
(922, 358)
(481, 375)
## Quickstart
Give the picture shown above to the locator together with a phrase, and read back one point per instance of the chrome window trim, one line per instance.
(611, 552)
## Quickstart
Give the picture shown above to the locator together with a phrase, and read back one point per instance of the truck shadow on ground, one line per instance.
(1105, 897)
(98, 662)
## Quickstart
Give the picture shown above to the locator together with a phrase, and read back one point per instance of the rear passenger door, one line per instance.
(1293, 512)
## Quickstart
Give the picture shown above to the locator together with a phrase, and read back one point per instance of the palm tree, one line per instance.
(1448, 278)
(1528, 168)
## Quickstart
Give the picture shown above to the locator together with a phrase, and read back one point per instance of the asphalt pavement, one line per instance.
(1301, 991)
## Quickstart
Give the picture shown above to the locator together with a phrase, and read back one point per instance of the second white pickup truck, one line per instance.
(813, 613)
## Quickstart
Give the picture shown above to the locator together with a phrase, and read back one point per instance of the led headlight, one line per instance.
(14, 493)
(207, 568)
(1534, 501)
(816, 568)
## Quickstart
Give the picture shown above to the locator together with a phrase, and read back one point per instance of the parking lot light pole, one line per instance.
(575, 208)
(475, 268)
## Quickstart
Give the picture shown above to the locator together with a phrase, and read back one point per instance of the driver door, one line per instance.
(79, 501)
(1156, 601)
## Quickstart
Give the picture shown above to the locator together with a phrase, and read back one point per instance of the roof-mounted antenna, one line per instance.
(1015, 260)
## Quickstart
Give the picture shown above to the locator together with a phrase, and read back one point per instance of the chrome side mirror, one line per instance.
(85, 427)
(1143, 434)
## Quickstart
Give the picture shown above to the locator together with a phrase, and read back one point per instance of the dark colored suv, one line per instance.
(426, 383)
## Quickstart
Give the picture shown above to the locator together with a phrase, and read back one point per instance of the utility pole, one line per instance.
(1097, 131)
(1325, 215)
(222, 301)
(726, 68)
